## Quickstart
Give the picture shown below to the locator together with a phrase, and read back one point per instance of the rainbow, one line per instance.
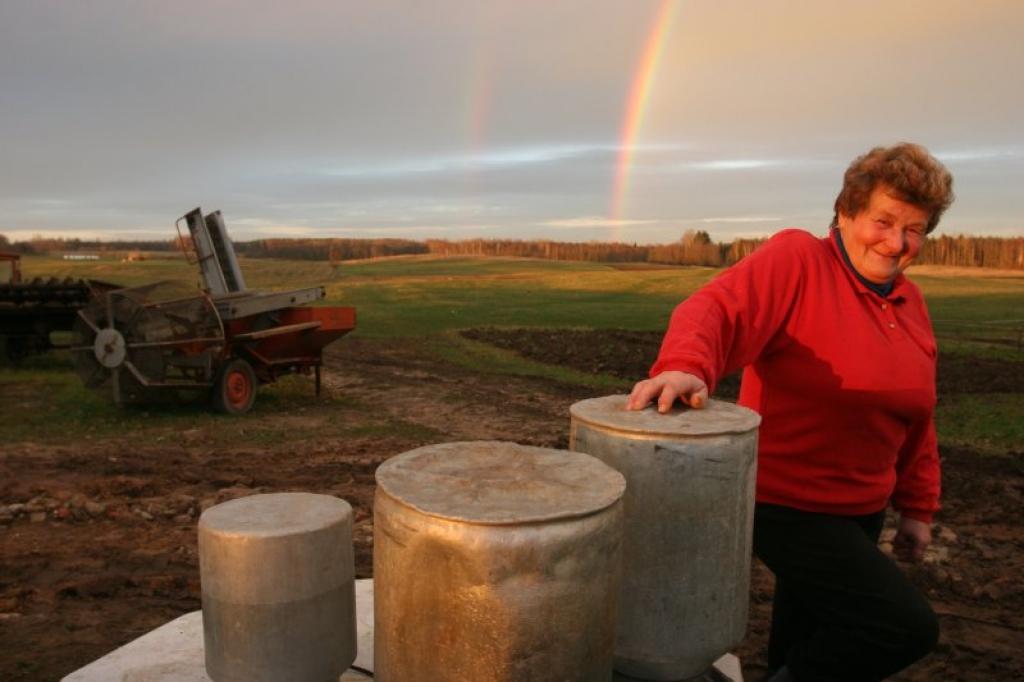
(479, 99)
(636, 104)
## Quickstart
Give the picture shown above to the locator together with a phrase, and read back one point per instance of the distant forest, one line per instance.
(694, 248)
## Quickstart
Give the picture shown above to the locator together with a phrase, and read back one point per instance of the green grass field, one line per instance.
(416, 296)
(429, 298)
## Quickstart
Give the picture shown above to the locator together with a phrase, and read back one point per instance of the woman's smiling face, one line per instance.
(884, 238)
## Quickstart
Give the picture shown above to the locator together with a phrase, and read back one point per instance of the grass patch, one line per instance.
(430, 308)
(429, 298)
(980, 349)
(49, 405)
(422, 295)
(990, 422)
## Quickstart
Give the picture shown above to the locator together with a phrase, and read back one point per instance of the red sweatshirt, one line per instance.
(843, 379)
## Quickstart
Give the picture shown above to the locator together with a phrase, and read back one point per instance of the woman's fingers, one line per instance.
(912, 538)
(699, 398)
(695, 397)
(643, 393)
(666, 388)
(667, 397)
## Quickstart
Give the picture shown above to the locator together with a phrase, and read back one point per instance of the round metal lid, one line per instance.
(275, 514)
(498, 483)
(715, 419)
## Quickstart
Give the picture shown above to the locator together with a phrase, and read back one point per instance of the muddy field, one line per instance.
(99, 542)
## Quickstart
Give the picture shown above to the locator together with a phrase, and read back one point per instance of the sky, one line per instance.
(572, 120)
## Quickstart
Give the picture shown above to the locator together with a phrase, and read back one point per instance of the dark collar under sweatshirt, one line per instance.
(882, 290)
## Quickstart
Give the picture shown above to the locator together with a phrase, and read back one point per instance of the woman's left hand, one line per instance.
(668, 387)
(912, 538)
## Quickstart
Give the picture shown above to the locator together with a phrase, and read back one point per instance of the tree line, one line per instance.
(982, 252)
(50, 245)
(334, 250)
(693, 248)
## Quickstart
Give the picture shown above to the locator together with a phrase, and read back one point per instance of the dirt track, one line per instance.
(105, 548)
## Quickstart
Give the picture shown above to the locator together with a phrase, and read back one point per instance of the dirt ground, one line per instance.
(98, 541)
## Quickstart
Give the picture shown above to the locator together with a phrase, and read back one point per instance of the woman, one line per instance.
(839, 360)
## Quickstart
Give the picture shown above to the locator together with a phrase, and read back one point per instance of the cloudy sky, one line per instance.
(564, 119)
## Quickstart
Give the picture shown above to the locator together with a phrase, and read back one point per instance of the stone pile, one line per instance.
(42, 507)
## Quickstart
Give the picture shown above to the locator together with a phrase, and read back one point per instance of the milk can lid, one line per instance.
(499, 483)
(717, 418)
(275, 514)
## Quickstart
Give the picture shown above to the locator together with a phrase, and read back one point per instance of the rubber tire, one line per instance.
(235, 389)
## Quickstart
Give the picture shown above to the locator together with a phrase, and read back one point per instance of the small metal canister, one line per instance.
(689, 518)
(495, 562)
(278, 586)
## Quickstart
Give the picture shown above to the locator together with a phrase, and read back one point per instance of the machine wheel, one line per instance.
(143, 343)
(235, 390)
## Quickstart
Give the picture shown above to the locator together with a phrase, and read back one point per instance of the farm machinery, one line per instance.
(147, 343)
(30, 311)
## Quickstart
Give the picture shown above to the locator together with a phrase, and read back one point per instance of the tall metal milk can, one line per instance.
(278, 588)
(495, 562)
(689, 500)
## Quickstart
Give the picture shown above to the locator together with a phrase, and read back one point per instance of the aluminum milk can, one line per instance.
(278, 586)
(689, 501)
(495, 562)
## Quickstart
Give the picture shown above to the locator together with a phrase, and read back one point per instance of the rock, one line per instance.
(1000, 588)
(182, 504)
(95, 508)
(37, 516)
(183, 518)
(945, 534)
(234, 492)
(962, 587)
(166, 512)
(935, 554)
(16, 508)
(145, 514)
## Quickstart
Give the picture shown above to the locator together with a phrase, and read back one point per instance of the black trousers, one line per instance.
(842, 609)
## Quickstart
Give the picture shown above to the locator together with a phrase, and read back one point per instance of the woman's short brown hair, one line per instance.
(914, 175)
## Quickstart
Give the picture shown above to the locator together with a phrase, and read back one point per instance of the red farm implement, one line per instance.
(164, 339)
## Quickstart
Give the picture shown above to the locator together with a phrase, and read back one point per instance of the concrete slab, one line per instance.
(729, 666)
(174, 652)
(364, 625)
(725, 669)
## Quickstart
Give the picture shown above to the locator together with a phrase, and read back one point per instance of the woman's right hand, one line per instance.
(666, 388)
